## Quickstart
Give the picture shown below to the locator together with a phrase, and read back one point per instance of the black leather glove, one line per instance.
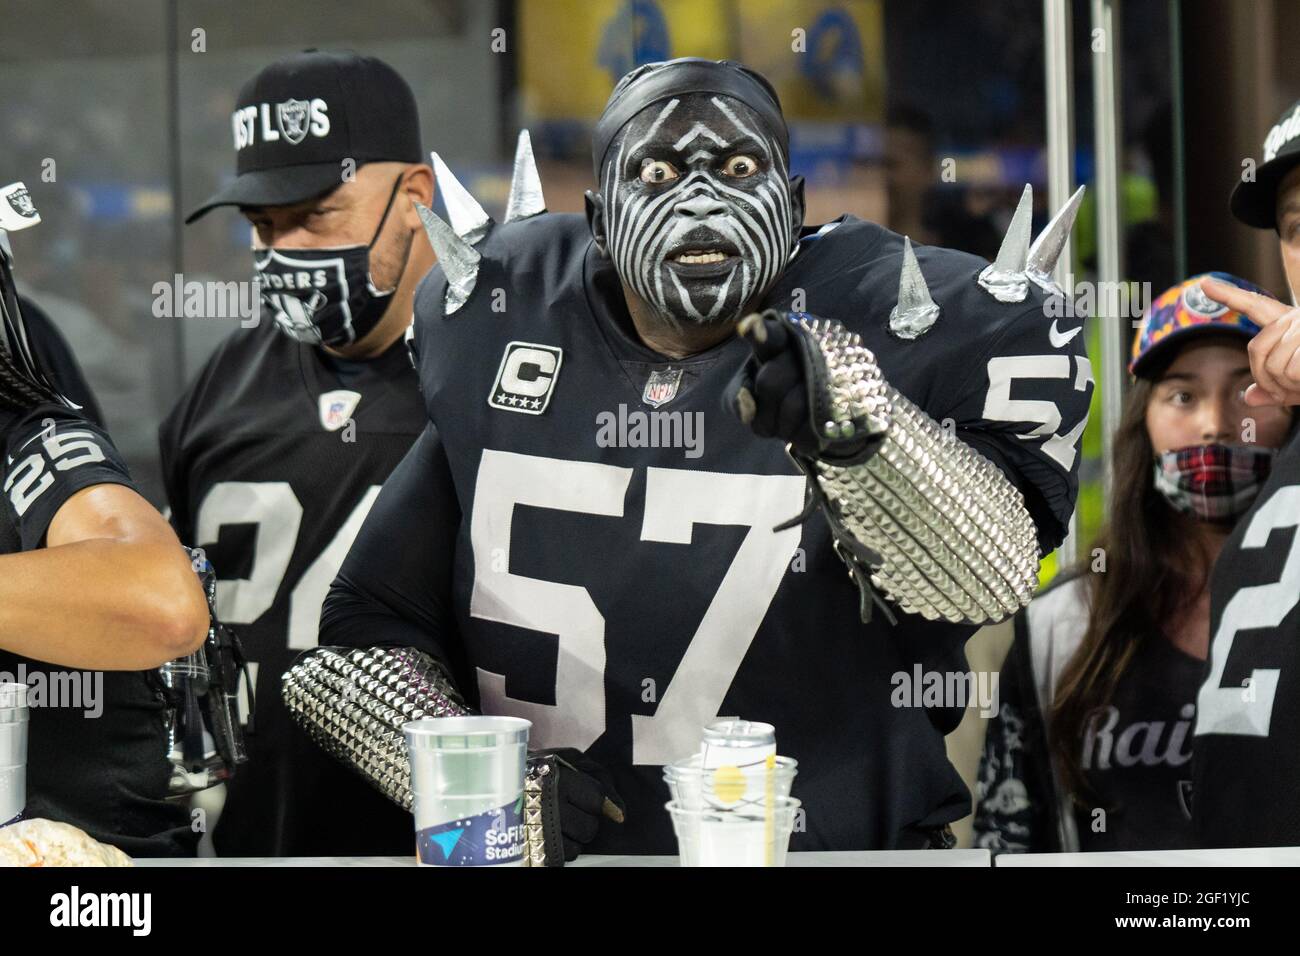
(780, 389)
(586, 796)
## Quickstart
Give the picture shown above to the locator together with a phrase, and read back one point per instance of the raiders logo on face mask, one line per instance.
(296, 288)
(324, 296)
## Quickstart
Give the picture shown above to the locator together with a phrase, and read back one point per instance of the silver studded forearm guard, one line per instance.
(947, 536)
(354, 702)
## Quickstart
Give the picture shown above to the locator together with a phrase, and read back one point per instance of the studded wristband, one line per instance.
(354, 702)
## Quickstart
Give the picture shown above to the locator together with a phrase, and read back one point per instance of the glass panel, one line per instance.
(1148, 204)
(83, 122)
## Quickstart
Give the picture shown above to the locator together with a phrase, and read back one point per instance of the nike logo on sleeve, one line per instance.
(1059, 338)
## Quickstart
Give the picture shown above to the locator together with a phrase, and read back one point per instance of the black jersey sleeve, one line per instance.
(395, 586)
(54, 356)
(51, 453)
(1023, 404)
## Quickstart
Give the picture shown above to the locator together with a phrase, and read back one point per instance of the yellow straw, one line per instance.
(769, 819)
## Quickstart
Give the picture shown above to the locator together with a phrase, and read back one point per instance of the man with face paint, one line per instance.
(1246, 759)
(276, 451)
(593, 534)
(697, 227)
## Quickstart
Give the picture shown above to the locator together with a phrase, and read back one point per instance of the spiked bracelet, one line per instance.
(930, 522)
(353, 703)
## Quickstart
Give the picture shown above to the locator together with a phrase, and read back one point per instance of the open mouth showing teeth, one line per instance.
(694, 256)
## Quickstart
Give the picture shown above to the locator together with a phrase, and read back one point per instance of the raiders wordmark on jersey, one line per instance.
(616, 578)
(272, 459)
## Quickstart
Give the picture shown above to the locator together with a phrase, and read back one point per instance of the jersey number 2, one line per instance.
(275, 510)
(1229, 710)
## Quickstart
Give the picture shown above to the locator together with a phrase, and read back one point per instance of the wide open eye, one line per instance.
(657, 171)
(740, 166)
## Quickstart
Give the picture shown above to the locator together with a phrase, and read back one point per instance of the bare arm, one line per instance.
(112, 589)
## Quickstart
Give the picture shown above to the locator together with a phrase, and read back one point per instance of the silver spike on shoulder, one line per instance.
(916, 310)
(1005, 279)
(468, 218)
(526, 197)
(1046, 250)
(459, 260)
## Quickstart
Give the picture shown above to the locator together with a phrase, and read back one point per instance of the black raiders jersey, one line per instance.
(97, 757)
(1137, 753)
(586, 535)
(1246, 751)
(271, 460)
(54, 356)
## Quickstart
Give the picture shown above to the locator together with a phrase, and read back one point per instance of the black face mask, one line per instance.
(324, 296)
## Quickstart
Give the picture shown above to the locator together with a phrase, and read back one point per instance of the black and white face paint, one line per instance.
(698, 205)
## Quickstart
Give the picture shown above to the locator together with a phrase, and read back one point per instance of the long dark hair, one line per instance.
(1153, 562)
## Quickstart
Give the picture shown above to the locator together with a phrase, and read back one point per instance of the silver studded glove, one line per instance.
(354, 702)
(915, 513)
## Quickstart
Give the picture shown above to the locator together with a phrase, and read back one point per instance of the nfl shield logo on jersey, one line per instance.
(526, 378)
(661, 387)
(336, 408)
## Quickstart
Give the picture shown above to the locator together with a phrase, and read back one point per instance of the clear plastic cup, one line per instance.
(14, 715)
(693, 785)
(750, 836)
(467, 780)
(734, 742)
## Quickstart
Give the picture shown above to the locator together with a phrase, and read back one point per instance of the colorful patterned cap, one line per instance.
(1183, 312)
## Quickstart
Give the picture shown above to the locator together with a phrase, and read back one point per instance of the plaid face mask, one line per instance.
(1213, 482)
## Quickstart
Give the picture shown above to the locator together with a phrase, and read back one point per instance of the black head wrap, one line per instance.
(653, 82)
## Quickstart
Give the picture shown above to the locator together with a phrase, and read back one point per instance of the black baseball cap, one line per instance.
(1255, 203)
(297, 120)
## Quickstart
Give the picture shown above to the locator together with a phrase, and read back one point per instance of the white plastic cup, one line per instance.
(14, 715)
(467, 780)
(754, 836)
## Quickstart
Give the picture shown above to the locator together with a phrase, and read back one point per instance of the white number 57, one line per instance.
(675, 501)
(999, 406)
